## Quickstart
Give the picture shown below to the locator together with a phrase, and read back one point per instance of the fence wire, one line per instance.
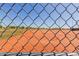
(39, 29)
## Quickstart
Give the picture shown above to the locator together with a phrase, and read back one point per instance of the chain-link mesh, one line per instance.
(37, 29)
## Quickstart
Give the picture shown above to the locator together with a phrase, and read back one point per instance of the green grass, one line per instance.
(5, 34)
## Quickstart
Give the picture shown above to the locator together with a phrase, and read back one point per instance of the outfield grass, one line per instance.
(5, 34)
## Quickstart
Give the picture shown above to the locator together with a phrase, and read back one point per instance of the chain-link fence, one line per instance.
(37, 29)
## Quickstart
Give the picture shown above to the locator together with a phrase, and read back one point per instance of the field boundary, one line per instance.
(40, 54)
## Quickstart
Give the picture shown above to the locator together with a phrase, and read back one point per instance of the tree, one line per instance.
(1, 26)
(12, 27)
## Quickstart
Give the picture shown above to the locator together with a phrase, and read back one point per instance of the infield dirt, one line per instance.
(42, 40)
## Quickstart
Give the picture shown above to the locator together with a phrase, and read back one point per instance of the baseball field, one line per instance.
(38, 40)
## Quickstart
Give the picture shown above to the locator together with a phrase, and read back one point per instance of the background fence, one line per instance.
(37, 29)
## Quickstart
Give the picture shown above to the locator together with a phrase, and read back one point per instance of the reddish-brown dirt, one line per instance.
(42, 40)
